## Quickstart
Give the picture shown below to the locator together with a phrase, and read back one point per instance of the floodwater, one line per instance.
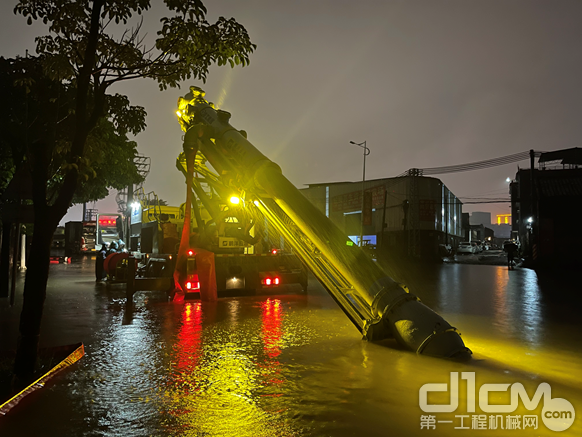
(292, 364)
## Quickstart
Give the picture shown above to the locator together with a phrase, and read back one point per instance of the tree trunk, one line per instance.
(34, 294)
(5, 258)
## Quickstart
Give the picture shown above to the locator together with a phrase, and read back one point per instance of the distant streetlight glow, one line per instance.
(508, 180)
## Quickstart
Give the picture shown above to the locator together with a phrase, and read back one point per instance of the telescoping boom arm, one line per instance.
(377, 305)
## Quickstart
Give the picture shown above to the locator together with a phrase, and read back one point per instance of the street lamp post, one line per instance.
(366, 153)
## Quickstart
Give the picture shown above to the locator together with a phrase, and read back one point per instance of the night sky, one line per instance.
(425, 83)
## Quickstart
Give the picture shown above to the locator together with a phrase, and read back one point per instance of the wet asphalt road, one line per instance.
(289, 364)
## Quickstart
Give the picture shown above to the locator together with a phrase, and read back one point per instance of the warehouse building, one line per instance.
(409, 215)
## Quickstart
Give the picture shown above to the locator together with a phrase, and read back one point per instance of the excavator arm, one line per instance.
(378, 306)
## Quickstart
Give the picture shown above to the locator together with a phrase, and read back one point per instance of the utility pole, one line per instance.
(381, 246)
(532, 219)
(414, 214)
(447, 216)
(366, 153)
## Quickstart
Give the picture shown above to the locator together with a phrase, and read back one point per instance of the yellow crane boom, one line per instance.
(377, 305)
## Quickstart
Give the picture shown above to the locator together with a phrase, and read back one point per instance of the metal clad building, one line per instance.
(410, 205)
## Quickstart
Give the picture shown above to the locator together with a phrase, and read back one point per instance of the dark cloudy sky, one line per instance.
(425, 83)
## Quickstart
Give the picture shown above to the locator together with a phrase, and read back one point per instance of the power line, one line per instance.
(483, 198)
(479, 165)
(486, 201)
(473, 202)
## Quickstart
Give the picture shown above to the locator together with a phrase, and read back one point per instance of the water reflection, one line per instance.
(508, 304)
(120, 379)
(517, 306)
(222, 373)
(501, 317)
(294, 365)
(187, 348)
(271, 329)
(531, 308)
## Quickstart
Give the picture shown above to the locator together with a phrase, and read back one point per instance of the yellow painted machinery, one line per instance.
(248, 255)
(378, 306)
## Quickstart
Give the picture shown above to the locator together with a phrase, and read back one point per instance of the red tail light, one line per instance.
(268, 281)
(274, 251)
(192, 285)
(190, 252)
(276, 281)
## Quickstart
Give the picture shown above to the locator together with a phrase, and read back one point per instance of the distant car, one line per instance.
(466, 247)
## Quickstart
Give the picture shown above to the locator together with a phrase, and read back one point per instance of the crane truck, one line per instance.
(248, 254)
(378, 306)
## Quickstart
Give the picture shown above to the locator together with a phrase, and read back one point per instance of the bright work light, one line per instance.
(234, 200)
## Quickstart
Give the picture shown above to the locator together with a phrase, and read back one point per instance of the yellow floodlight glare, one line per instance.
(234, 200)
(178, 113)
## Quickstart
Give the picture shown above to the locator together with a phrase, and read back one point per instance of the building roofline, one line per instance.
(367, 180)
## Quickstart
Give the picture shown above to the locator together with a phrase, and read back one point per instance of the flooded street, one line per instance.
(292, 364)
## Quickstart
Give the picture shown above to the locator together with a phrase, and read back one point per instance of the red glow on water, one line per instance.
(272, 335)
(271, 330)
(188, 346)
